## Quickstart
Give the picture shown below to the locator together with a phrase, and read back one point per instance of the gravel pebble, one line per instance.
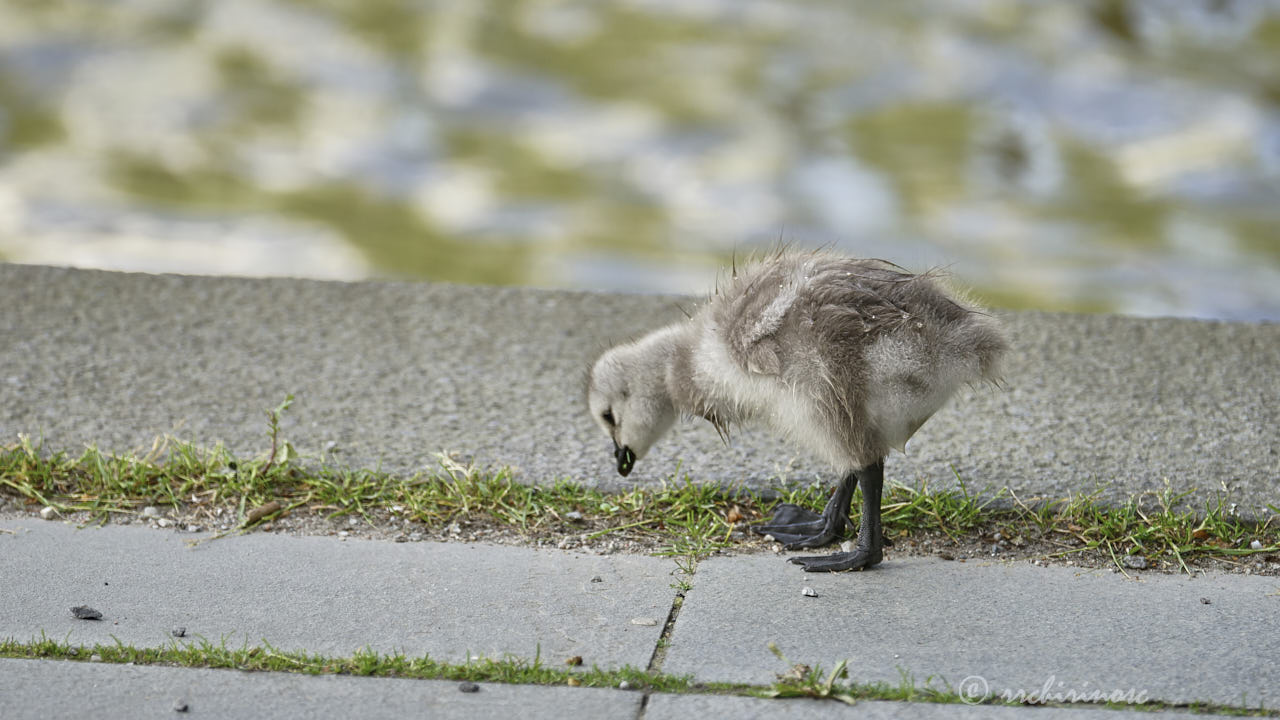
(84, 612)
(1135, 562)
(649, 622)
(151, 511)
(809, 592)
(178, 632)
(573, 515)
(179, 705)
(1256, 544)
(48, 513)
(469, 687)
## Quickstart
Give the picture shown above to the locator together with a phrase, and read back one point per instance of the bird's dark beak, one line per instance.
(626, 459)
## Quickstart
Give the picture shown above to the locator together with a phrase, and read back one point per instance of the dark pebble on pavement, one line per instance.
(84, 612)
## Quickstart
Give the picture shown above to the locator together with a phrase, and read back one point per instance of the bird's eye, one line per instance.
(607, 417)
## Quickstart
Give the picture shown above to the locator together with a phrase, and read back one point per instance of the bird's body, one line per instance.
(845, 357)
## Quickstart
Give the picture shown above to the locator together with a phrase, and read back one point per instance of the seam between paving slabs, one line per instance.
(64, 653)
(659, 655)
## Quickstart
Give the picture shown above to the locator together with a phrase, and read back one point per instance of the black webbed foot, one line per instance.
(796, 527)
(860, 559)
(791, 514)
(792, 525)
(799, 541)
(870, 549)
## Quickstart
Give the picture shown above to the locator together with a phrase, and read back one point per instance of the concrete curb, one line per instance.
(387, 374)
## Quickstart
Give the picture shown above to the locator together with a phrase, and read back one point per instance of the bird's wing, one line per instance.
(756, 314)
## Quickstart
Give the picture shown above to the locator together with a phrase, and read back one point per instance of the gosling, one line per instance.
(845, 357)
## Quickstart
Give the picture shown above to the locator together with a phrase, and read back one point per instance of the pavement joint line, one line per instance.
(659, 647)
(744, 690)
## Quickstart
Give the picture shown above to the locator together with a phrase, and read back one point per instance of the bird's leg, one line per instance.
(869, 550)
(796, 528)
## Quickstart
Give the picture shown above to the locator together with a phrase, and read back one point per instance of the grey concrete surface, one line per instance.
(27, 692)
(988, 627)
(979, 628)
(51, 690)
(391, 373)
(323, 595)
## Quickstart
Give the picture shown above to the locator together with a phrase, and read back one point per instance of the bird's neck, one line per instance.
(688, 396)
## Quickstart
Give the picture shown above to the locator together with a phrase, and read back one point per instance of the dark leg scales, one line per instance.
(796, 527)
(869, 551)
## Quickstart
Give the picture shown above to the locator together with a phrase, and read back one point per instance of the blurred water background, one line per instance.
(1092, 156)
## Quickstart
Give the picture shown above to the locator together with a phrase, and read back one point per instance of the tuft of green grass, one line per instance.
(686, 521)
(806, 681)
(1152, 525)
(367, 663)
(800, 681)
(680, 518)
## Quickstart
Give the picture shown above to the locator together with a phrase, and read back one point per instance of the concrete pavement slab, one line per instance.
(50, 689)
(391, 373)
(681, 707)
(323, 595)
(988, 627)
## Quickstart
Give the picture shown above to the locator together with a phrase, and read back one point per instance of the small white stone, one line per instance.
(846, 546)
(151, 511)
(648, 622)
(809, 592)
(343, 533)
(48, 512)
(1256, 544)
(1135, 562)
(164, 522)
(352, 521)
(624, 685)
(397, 508)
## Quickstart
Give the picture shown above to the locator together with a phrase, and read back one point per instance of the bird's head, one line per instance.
(628, 399)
